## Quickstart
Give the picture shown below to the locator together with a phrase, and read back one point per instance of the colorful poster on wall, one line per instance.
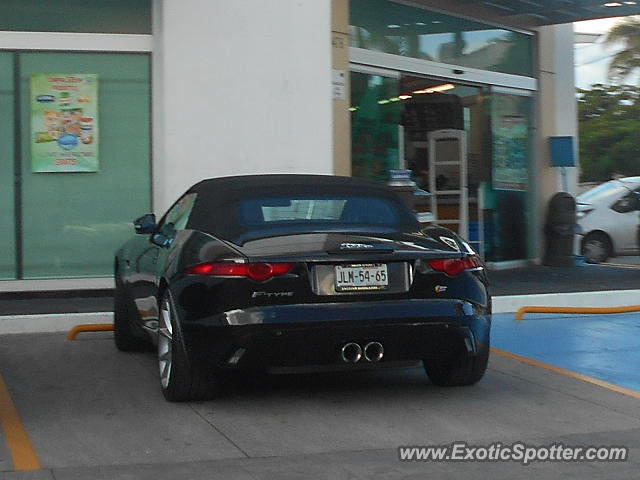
(64, 122)
(510, 149)
(510, 137)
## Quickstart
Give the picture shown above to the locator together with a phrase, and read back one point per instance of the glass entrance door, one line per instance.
(375, 120)
(447, 123)
(510, 199)
(392, 119)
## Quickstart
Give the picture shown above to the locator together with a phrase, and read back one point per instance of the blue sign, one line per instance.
(68, 141)
(562, 152)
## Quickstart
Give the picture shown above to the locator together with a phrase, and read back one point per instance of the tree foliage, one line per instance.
(609, 119)
(626, 61)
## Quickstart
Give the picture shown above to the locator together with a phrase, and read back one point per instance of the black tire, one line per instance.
(184, 381)
(596, 247)
(123, 314)
(457, 370)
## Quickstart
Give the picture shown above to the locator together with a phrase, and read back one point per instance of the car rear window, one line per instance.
(239, 210)
(265, 211)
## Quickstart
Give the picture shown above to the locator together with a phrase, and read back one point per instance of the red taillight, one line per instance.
(455, 266)
(264, 271)
(259, 272)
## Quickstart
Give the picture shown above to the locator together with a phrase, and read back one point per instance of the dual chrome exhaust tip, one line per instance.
(352, 352)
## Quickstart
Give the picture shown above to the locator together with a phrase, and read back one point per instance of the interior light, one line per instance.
(353, 109)
(420, 24)
(444, 87)
(613, 4)
(436, 22)
(393, 26)
(630, 3)
(436, 89)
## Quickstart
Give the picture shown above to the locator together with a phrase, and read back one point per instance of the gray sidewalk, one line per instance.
(586, 278)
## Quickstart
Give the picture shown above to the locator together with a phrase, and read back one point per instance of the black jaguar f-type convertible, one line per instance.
(295, 273)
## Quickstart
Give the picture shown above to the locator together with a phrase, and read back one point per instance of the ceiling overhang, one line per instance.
(529, 14)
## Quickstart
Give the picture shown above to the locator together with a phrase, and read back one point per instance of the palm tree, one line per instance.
(624, 62)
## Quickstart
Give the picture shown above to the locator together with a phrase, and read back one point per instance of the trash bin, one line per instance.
(636, 196)
(560, 229)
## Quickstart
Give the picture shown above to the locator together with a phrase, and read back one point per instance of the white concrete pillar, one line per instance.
(239, 87)
(557, 116)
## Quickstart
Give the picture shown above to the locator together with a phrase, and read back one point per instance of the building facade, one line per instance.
(112, 109)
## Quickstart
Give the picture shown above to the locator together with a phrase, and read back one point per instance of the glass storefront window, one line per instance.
(375, 118)
(72, 223)
(390, 27)
(79, 16)
(7, 135)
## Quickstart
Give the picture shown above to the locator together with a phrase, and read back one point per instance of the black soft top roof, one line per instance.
(216, 186)
(214, 213)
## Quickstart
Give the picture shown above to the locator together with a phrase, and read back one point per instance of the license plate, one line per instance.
(361, 277)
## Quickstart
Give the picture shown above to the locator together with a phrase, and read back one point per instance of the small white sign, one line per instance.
(338, 84)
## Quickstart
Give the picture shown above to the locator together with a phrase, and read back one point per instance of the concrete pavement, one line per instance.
(91, 412)
(94, 413)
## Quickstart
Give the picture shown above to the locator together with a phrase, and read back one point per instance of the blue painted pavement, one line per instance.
(606, 347)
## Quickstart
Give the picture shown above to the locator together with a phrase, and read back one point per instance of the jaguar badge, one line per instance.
(440, 288)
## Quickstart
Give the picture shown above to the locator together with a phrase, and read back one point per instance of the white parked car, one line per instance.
(609, 215)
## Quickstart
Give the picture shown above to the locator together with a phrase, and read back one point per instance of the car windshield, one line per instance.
(603, 192)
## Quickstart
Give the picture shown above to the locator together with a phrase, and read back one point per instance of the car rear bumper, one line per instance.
(312, 335)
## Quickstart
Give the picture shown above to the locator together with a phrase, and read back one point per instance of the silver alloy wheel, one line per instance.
(165, 335)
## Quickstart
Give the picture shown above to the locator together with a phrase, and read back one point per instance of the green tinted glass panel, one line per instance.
(74, 222)
(84, 16)
(390, 27)
(7, 232)
(375, 117)
(511, 119)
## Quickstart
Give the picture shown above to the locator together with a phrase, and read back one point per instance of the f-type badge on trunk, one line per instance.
(271, 294)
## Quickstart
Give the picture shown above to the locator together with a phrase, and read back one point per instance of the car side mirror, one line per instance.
(145, 224)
